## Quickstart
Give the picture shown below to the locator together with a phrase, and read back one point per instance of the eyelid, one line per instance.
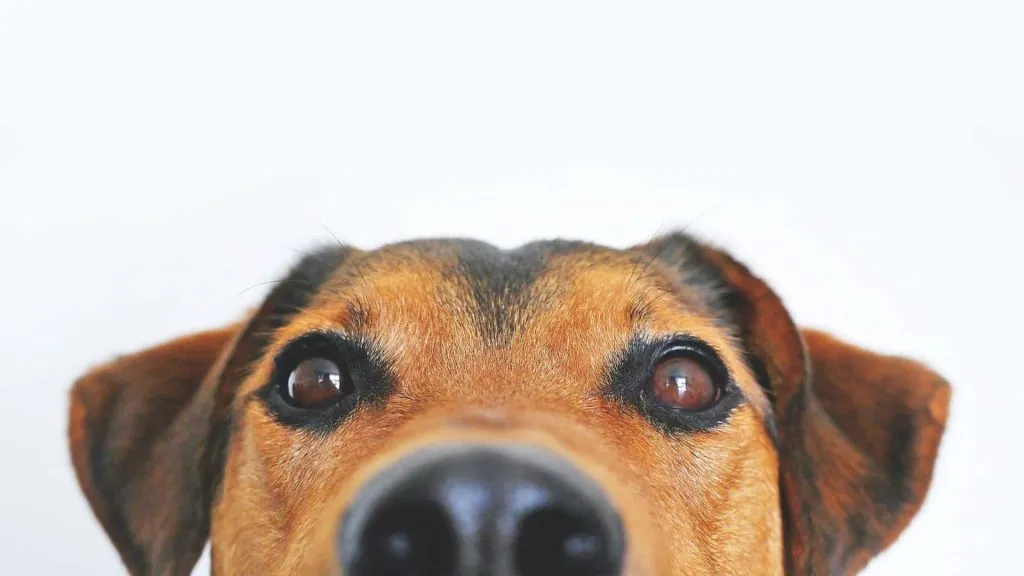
(704, 350)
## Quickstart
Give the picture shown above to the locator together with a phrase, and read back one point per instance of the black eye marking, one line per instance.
(679, 383)
(321, 377)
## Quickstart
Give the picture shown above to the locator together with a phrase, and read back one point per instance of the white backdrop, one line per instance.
(158, 163)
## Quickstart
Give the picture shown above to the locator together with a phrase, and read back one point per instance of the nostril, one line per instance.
(413, 538)
(503, 509)
(557, 542)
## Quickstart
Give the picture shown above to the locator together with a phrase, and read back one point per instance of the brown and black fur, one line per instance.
(822, 462)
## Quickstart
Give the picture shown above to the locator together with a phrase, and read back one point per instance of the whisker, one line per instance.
(632, 274)
(336, 239)
(663, 244)
(260, 284)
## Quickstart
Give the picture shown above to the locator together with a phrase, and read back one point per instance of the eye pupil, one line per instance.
(316, 382)
(682, 382)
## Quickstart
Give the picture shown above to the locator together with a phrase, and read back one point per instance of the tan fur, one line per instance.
(702, 503)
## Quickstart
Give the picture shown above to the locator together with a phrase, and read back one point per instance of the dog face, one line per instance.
(445, 407)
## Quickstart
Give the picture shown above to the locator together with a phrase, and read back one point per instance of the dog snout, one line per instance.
(476, 509)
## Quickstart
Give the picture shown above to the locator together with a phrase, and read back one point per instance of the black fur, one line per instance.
(501, 282)
(685, 256)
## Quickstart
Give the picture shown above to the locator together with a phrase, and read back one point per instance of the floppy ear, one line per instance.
(858, 432)
(148, 431)
(138, 450)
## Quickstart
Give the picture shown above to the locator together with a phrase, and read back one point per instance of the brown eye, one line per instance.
(681, 382)
(316, 382)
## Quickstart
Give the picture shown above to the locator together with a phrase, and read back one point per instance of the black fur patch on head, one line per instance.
(685, 256)
(501, 283)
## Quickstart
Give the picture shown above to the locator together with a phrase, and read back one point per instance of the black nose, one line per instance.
(472, 510)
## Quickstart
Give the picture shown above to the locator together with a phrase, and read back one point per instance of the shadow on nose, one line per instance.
(467, 510)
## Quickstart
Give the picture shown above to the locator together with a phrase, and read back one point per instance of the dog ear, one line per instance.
(148, 431)
(857, 432)
(871, 430)
(138, 445)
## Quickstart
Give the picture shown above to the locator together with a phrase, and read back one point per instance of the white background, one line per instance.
(159, 163)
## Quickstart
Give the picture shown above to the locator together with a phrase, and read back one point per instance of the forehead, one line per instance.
(489, 297)
(446, 313)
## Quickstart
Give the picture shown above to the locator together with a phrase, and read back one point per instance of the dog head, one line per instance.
(446, 407)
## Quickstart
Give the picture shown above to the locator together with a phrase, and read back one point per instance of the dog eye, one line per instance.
(682, 381)
(315, 383)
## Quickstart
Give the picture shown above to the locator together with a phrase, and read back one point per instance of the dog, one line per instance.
(445, 407)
